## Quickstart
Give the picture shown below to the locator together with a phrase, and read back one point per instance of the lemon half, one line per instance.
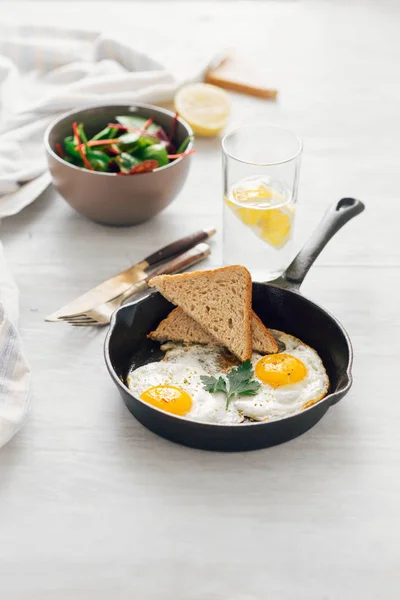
(205, 107)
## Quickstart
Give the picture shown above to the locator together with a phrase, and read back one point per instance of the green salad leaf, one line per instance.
(135, 142)
(82, 133)
(137, 123)
(127, 139)
(108, 133)
(156, 152)
(184, 144)
(126, 162)
(98, 159)
(69, 148)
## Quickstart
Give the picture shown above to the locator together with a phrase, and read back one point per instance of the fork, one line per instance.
(100, 315)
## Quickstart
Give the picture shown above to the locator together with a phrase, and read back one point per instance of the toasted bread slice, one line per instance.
(219, 300)
(179, 327)
(263, 341)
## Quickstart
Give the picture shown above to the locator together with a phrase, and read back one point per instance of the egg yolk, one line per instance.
(280, 369)
(169, 398)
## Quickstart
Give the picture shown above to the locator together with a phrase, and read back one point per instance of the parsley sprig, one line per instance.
(238, 382)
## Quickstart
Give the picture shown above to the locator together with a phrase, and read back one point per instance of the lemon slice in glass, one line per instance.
(205, 107)
(275, 225)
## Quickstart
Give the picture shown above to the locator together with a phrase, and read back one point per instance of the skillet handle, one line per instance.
(335, 217)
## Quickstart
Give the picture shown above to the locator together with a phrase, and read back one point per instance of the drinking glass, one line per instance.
(261, 166)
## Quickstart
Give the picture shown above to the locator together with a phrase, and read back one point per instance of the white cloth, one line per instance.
(43, 73)
(15, 375)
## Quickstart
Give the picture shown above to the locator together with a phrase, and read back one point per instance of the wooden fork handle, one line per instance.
(183, 261)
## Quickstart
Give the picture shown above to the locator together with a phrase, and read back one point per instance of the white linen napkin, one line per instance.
(15, 375)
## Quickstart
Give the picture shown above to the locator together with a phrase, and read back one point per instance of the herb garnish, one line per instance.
(238, 382)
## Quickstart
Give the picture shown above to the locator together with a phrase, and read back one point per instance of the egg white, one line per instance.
(182, 366)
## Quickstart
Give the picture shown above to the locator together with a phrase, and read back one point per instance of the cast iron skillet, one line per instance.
(280, 305)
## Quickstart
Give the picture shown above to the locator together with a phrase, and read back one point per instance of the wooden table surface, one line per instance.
(94, 506)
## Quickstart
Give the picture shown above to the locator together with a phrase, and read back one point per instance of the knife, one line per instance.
(100, 315)
(119, 283)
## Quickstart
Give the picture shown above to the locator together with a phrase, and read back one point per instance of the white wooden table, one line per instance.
(92, 505)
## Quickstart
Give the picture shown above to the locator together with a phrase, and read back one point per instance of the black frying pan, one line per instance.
(279, 305)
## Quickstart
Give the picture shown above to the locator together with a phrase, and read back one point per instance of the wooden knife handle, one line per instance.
(178, 247)
(183, 261)
(180, 263)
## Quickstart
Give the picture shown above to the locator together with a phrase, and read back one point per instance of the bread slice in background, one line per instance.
(263, 341)
(179, 327)
(219, 300)
(236, 74)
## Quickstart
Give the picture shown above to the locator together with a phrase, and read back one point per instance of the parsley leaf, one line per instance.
(213, 385)
(240, 380)
(251, 388)
(239, 376)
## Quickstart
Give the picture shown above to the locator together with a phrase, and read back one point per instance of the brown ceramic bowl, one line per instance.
(106, 197)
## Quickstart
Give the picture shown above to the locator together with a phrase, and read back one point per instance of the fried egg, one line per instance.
(290, 381)
(174, 385)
